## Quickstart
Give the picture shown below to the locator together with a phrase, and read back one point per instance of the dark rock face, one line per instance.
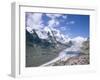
(32, 39)
(40, 51)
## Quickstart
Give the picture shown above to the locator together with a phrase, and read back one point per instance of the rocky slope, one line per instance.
(79, 60)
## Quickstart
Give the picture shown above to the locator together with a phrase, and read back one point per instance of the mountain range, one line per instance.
(43, 45)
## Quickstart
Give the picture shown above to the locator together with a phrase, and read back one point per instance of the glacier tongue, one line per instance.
(74, 49)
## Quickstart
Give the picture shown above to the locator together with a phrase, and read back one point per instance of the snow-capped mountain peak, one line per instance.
(57, 35)
(43, 34)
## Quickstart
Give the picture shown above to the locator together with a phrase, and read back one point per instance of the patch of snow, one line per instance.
(29, 29)
(42, 34)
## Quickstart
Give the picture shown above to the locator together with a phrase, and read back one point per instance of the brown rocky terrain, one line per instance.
(79, 60)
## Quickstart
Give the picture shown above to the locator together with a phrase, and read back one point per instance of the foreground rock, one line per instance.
(80, 60)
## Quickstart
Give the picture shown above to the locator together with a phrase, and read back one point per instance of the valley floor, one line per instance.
(79, 60)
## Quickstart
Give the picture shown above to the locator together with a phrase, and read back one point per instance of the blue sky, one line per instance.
(81, 25)
(69, 24)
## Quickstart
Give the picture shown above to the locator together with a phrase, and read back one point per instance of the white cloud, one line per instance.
(34, 20)
(70, 22)
(63, 28)
(53, 23)
(65, 17)
(67, 22)
(53, 15)
(57, 23)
